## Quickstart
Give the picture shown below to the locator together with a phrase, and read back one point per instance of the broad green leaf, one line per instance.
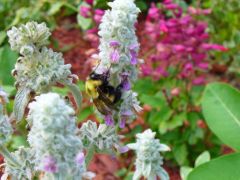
(202, 158)
(221, 105)
(185, 171)
(222, 168)
(7, 61)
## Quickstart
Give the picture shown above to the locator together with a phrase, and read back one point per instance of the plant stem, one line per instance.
(90, 154)
(8, 156)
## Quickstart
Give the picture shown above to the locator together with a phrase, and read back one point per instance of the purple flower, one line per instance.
(49, 164)
(122, 122)
(85, 11)
(80, 158)
(126, 85)
(127, 113)
(115, 56)
(114, 43)
(133, 54)
(109, 120)
(123, 149)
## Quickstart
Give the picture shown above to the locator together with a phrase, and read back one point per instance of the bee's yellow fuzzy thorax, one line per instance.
(91, 88)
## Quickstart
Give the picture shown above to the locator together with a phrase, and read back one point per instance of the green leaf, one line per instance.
(180, 153)
(202, 158)
(85, 113)
(7, 61)
(55, 8)
(2, 36)
(220, 106)
(185, 171)
(18, 141)
(223, 168)
(84, 23)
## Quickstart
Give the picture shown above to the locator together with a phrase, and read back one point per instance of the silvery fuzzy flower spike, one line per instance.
(118, 55)
(100, 138)
(38, 68)
(58, 150)
(149, 159)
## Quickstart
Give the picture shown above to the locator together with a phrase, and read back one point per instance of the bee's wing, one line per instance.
(102, 107)
(105, 99)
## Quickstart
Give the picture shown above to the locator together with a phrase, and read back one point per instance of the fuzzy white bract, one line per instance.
(30, 35)
(149, 159)
(25, 170)
(41, 71)
(118, 54)
(103, 138)
(5, 127)
(53, 137)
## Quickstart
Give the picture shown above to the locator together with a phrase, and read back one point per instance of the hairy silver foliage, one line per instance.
(53, 137)
(25, 169)
(38, 68)
(149, 159)
(5, 126)
(41, 72)
(102, 138)
(29, 36)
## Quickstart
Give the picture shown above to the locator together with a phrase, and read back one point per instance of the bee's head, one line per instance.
(102, 77)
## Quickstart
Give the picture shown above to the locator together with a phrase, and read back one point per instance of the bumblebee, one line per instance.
(105, 96)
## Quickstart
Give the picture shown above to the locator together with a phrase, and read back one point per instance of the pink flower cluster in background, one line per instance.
(88, 11)
(174, 41)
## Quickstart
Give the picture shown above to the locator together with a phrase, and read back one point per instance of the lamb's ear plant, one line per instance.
(38, 68)
(149, 160)
(58, 149)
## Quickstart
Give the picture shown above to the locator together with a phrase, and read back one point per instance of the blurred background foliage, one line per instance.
(171, 106)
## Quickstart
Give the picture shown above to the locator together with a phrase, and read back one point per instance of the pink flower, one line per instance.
(217, 47)
(203, 65)
(175, 92)
(90, 2)
(49, 164)
(80, 158)
(85, 11)
(199, 80)
(153, 12)
(98, 14)
(171, 6)
(179, 48)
